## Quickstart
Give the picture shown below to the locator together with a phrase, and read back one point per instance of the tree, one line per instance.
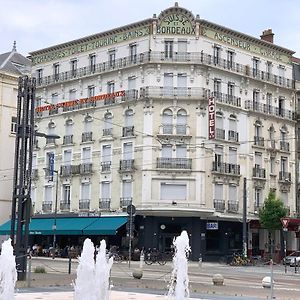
(269, 217)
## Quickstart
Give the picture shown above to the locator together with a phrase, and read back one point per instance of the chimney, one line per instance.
(268, 36)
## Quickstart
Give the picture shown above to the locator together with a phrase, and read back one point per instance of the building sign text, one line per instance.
(211, 118)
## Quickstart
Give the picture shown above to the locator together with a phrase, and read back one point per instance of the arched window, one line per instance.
(232, 133)
(167, 121)
(108, 126)
(50, 131)
(87, 135)
(181, 122)
(68, 138)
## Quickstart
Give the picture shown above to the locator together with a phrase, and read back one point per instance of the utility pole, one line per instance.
(245, 218)
(21, 200)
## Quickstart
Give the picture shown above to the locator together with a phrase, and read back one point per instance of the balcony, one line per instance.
(226, 168)
(130, 95)
(110, 101)
(86, 168)
(220, 134)
(270, 110)
(284, 146)
(233, 206)
(84, 204)
(259, 141)
(107, 132)
(181, 129)
(66, 171)
(128, 131)
(173, 92)
(126, 165)
(47, 206)
(174, 163)
(104, 203)
(53, 111)
(64, 205)
(258, 172)
(219, 205)
(105, 166)
(233, 136)
(50, 141)
(227, 99)
(285, 176)
(87, 137)
(68, 139)
(124, 202)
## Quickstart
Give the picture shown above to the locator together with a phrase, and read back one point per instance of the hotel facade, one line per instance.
(171, 114)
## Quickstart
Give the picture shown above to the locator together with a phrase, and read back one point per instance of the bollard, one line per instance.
(29, 272)
(70, 263)
(142, 258)
(200, 260)
(295, 265)
(272, 280)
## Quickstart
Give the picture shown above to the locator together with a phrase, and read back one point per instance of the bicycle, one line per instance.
(153, 256)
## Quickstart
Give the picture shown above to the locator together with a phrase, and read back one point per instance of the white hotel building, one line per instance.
(133, 118)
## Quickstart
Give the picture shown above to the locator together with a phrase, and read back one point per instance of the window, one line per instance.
(127, 189)
(219, 120)
(168, 49)
(269, 102)
(281, 102)
(258, 129)
(67, 158)
(66, 194)
(14, 125)
(110, 87)
(230, 90)
(88, 124)
(73, 67)
(285, 198)
(230, 58)
(72, 94)
(218, 155)
(127, 151)
(218, 191)
(232, 156)
(217, 88)
(108, 121)
(91, 91)
(181, 84)
(181, 125)
(133, 53)
(232, 193)
(39, 76)
(129, 118)
(112, 58)
(167, 120)
(69, 127)
(131, 83)
(105, 190)
(86, 155)
(172, 191)
(258, 159)
(85, 191)
(48, 194)
(54, 98)
(217, 52)
(182, 50)
(56, 71)
(92, 62)
(166, 151)
(257, 200)
(281, 70)
(255, 98)
(283, 164)
(168, 84)
(255, 66)
(268, 70)
(106, 153)
(181, 151)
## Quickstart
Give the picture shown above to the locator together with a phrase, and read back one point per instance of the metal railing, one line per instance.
(219, 205)
(226, 168)
(66, 170)
(220, 134)
(226, 98)
(64, 205)
(47, 206)
(87, 136)
(124, 202)
(50, 141)
(285, 176)
(107, 132)
(128, 131)
(105, 166)
(174, 163)
(68, 139)
(284, 146)
(259, 141)
(86, 168)
(126, 165)
(232, 206)
(84, 204)
(104, 203)
(233, 136)
(259, 172)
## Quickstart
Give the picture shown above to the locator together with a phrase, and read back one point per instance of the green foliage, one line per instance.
(271, 213)
(39, 269)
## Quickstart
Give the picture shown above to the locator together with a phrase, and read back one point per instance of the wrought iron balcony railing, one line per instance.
(68, 139)
(226, 168)
(259, 141)
(219, 205)
(233, 136)
(86, 168)
(227, 99)
(64, 205)
(107, 132)
(104, 203)
(126, 165)
(87, 136)
(174, 163)
(84, 204)
(285, 176)
(220, 134)
(232, 206)
(128, 131)
(259, 172)
(284, 146)
(47, 206)
(105, 166)
(124, 202)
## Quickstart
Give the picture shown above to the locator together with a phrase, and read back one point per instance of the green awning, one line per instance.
(71, 226)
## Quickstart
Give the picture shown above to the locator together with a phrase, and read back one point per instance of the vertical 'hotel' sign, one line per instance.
(211, 118)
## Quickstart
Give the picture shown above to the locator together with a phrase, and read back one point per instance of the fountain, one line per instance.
(8, 272)
(92, 281)
(179, 289)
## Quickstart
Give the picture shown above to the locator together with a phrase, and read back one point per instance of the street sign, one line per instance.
(131, 209)
(285, 222)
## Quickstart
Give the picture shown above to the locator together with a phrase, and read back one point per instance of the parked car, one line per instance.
(290, 259)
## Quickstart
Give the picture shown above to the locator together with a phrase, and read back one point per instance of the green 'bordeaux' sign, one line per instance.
(176, 23)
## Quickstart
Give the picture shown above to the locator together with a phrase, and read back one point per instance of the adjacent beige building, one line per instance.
(169, 114)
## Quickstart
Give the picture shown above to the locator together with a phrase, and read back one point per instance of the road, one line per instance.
(240, 282)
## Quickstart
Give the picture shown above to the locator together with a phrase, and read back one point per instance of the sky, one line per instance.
(36, 24)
